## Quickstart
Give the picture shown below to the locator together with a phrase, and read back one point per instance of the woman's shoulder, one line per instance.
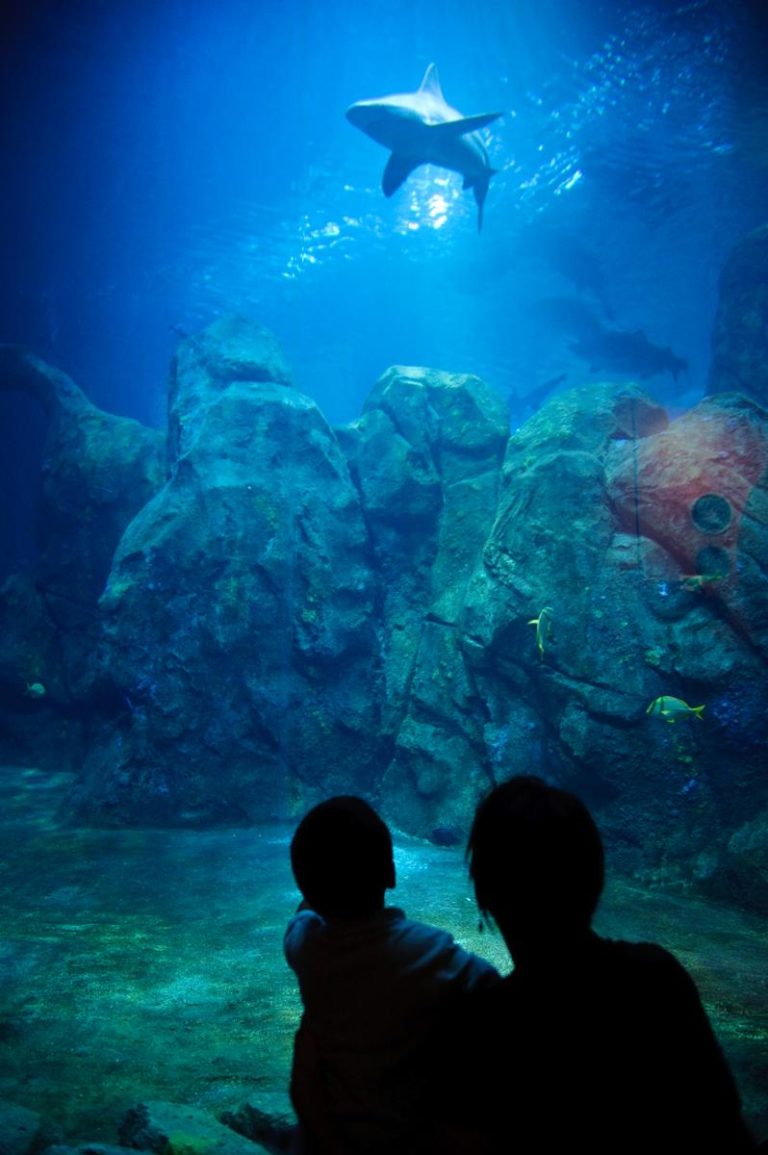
(642, 960)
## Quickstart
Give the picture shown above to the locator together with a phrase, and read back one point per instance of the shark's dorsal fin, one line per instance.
(464, 124)
(397, 169)
(431, 83)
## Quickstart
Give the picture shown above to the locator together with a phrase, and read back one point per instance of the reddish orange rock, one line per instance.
(698, 488)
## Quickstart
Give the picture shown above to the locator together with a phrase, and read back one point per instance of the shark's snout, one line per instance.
(358, 114)
(370, 118)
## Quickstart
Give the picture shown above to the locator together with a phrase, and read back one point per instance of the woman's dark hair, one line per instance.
(535, 856)
(341, 855)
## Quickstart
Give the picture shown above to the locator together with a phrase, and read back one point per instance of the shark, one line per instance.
(628, 352)
(421, 128)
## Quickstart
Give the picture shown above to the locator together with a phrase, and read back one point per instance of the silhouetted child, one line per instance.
(590, 1044)
(373, 984)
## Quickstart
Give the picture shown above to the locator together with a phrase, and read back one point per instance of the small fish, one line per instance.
(670, 709)
(35, 690)
(695, 582)
(543, 624)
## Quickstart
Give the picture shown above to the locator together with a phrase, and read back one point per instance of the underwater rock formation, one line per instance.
(417, 605)
(262, 1125)
(426, 455)
(99, 470)
(239, 614)
(23, 1132)
(698, 490)
(176, 1129)
(739, 343)
(601, 587)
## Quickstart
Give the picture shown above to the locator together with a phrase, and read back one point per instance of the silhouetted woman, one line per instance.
(590, 1044)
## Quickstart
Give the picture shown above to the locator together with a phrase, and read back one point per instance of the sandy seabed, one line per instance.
(147, 964)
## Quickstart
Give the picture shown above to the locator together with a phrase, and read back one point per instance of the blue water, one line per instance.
(167, 162)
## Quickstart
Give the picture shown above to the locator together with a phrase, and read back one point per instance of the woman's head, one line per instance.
(536, 860)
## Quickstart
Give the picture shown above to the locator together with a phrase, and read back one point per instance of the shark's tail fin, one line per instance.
(480, 189)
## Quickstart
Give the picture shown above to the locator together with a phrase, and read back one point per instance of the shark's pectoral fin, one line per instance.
(453, 128)
(398, 169)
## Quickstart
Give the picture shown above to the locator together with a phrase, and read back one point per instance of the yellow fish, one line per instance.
(670, 709)
(35, 690)
(696, 582)
(543, 624)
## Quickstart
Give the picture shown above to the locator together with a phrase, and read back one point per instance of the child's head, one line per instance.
(342, 860)
(536, 859)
